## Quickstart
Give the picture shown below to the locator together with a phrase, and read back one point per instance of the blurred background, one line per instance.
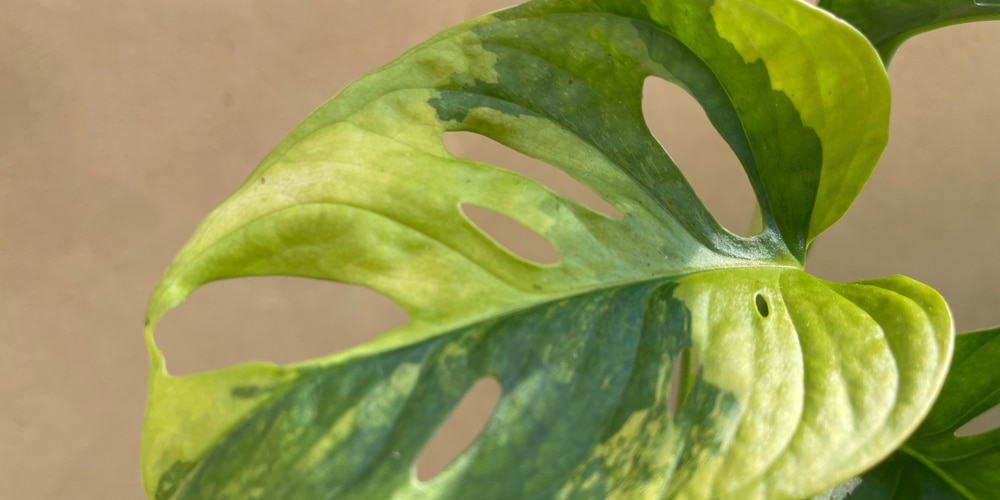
(122, 123)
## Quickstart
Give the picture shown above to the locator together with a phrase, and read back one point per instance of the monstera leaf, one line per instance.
(889, 23)
(935, 463)
(801, 385)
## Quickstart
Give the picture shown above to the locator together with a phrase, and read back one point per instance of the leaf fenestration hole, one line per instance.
(681, 126)
(275, 318)
(760, 301)
(472, 146)
(512, 235)
(986, 421)
(460, 429)
(681, 379)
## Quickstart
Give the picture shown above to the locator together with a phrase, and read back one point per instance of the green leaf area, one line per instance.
(889, 23)
(802, 383)
(935, 463)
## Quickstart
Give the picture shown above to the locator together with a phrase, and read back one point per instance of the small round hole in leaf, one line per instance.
(761, 302)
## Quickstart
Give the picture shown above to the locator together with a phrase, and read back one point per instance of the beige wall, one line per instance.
(123, 122)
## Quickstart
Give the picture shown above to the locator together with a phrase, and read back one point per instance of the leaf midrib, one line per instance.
(927, 462)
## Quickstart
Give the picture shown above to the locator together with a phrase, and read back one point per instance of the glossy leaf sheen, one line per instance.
(785, 404)
(934, 461)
